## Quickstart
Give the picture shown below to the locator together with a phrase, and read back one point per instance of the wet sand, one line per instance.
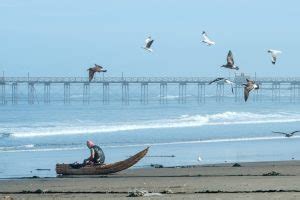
(250, 181)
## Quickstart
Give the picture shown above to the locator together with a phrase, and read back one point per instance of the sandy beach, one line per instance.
(261, 180)
(165, 99)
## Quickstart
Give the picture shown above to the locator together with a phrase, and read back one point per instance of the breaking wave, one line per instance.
(20, 147)
(218, 119)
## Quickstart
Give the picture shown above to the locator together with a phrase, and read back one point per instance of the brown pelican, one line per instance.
(274, 54)
(221, 79)
(206, 40)
(230, 62)
(148, 42)
(287, 134)
(95, 69)
(251, 85)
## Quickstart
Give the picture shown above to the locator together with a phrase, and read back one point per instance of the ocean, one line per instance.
(34, 137)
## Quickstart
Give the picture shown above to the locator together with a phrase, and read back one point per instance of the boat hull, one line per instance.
(66, 169)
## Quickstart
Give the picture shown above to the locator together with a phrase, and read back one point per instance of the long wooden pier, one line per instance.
(274, 86)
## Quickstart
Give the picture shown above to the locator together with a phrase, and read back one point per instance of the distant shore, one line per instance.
(256, 180)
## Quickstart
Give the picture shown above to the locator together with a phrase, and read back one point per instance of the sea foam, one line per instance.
(217, 119)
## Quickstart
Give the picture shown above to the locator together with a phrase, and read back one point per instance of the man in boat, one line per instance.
(97, 155)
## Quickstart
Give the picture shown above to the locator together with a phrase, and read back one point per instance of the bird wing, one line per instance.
(147, 40)
(250, 81)
(149, 43)
(98, 66)
(228, 81)
(292, 133)
(91, 74)
(230, 60)
(205, 36)
(247, 90)
(231, 84)
(275, 52)
(217, 79)
(279, 132)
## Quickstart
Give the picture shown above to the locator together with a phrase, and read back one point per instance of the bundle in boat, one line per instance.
(69, 169)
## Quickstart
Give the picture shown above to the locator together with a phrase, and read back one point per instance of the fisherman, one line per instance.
(97, 155)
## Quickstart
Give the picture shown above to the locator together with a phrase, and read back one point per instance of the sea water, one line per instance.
(38, 136)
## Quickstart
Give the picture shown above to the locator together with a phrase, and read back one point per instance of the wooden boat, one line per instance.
(67, 169)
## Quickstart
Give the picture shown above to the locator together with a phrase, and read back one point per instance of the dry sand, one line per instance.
(199, 182)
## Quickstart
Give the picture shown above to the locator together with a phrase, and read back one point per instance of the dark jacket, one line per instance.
(99, 156)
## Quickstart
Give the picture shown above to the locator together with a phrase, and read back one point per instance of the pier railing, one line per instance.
(105, 79)
(9, 88)
(135, 79)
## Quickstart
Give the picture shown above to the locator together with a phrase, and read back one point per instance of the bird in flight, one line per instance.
(95, 69)
(287, 134)
(148, 43)
(251, 85)
(225, 80)
(206, 40)
(274, 54)
(230, 62)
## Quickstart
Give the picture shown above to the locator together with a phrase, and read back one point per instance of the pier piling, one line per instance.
(14, 93)
(105, 93)
(163, 93)
(182, 93)
(144, 93)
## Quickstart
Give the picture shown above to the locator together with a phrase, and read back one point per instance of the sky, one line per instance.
(63, 38)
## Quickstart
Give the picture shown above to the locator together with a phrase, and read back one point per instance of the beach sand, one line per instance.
(222, 181)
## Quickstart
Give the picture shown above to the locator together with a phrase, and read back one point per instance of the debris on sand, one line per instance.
(39, 191)
(167, 191)
(7, 198)
(137, 193)
(272, 173)
(142, 193)
(157, 166)
(236, 165)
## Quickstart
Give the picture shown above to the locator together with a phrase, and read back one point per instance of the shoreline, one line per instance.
(148, 168)
(251, 180)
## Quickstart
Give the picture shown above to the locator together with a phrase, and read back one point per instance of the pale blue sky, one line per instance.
(63, 38)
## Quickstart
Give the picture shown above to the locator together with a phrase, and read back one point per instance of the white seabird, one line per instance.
(199, 159)
(225, 80)
(148, 42)
(274, 54)
(206, 40)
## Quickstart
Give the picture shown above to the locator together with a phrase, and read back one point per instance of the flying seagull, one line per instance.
(148, 42)
(251, 85)
(230, 62)
(274, 54)
(206, 40)
(287, 134)
(95, 69)
(221, 79)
